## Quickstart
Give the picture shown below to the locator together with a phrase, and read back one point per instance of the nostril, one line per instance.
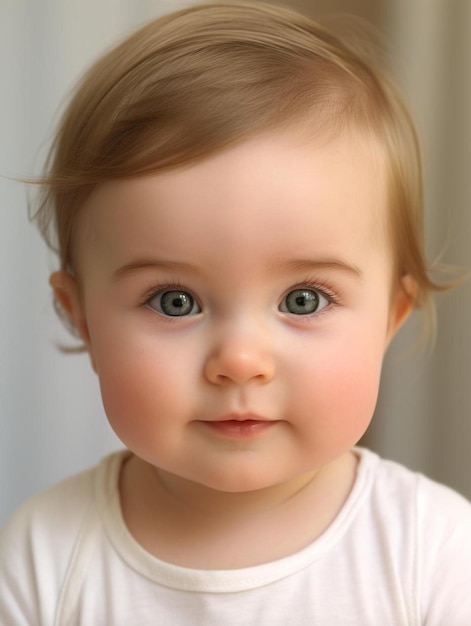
(231, 367)
(222, 378)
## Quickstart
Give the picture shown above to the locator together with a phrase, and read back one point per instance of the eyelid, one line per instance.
(324, 288)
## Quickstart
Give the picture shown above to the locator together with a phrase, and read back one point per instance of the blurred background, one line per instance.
(51, 420)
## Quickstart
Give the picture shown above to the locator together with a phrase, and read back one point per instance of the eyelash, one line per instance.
(325, 289)
(154, 290)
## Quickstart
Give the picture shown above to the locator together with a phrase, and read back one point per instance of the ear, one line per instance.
(402, 303)
(67, 294)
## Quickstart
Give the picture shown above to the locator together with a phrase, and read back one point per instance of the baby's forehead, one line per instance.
(283, 182)
(296, 156)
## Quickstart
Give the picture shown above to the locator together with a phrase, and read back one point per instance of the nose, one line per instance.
(240, 359)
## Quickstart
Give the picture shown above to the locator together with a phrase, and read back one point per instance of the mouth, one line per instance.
(239, 427)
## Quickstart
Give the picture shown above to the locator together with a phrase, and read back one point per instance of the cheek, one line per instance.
(144, 384)
(341, 390)
(350, 384)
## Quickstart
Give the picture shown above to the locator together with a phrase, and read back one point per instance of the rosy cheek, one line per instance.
(139, 392)
(343, 388)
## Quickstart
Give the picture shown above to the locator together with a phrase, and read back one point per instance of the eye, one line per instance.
(303, 302)
(174, 303)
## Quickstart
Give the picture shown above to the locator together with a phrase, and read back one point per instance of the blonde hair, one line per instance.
(203, 78)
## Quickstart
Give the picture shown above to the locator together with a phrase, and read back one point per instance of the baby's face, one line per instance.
(237, 311)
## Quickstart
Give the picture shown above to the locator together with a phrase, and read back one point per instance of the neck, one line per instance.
(200, 500)
(194, 526)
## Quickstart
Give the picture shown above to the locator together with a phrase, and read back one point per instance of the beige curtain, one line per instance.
(424, 414)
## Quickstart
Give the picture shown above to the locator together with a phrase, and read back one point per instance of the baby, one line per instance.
(235, 197)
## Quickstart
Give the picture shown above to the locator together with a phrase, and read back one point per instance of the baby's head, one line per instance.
(236, 200)
(202, 79)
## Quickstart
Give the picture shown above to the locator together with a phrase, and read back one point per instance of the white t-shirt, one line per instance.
(398, 553)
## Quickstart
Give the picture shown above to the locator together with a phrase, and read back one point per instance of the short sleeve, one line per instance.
(36, 545)
(444, 555)
(18, 589)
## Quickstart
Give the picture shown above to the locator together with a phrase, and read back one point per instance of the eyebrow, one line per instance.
(299, 265)
(146, 264)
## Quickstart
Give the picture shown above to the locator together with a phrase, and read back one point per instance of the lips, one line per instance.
(239, 427)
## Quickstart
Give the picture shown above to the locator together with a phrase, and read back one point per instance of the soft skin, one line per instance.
(238, 232)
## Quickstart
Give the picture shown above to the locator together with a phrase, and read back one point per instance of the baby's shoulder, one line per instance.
(46, 527)
(419, 530)
(47, 524)
(402, 486)
(37, 545)
(45, 535)
(407, 502)
(53, 509)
